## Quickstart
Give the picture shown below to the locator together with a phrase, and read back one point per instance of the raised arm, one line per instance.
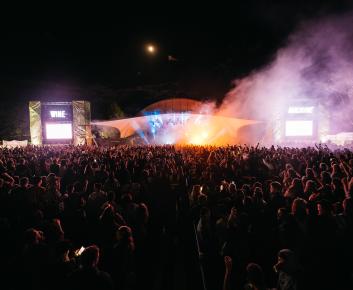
(228, 263)
(345, 167)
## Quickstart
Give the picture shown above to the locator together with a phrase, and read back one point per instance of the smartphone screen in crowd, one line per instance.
(79, 251)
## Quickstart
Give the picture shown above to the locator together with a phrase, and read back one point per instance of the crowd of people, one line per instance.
(99, 217)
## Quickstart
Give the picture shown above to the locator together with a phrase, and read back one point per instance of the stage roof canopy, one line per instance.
(175, 105)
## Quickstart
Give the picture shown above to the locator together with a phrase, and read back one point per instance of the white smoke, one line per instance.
(316, 64)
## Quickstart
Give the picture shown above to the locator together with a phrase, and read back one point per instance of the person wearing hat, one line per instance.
(287, 269)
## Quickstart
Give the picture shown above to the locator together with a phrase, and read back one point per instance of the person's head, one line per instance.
(51, 180)
(281, 214)
(124, 233)
(289, 166)
(146, 173)
(124, 236)
(90, 257)
(232, 187)
(323, 167)
(275, 187)
(299, 207)
(325, 177)
(286, 262)
(63, 162)
(51, 177)
(258, 193)
(255, 275)
(324, 208)
(246, 189)
(24, 182)
(202, 199)
(257, 184)
(78, 187)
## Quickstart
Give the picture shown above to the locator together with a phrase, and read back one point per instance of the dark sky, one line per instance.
(211, 50)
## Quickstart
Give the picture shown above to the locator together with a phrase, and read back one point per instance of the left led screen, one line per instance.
(58, 131)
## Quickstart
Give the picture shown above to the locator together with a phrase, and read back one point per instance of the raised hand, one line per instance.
(228, 263)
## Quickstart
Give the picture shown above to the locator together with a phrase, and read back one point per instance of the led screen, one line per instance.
(52, 112)
(299, 128)
(58, 131)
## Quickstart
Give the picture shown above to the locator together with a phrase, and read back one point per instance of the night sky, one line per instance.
(111, 63)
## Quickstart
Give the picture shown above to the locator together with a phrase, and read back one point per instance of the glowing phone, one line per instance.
(79, 251)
